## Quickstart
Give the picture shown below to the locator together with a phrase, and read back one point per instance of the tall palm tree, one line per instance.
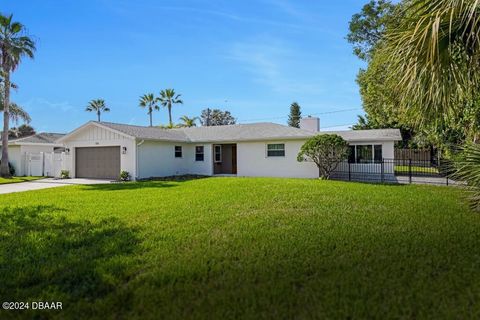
(188, 122)
(17, 113)
(150, 102)
(167, 99)
(98, 106)
(435, 55)
(14, 45)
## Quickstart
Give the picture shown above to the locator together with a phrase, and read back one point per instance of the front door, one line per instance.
(234, 159)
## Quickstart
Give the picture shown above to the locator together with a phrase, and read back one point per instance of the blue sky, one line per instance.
(251, 57)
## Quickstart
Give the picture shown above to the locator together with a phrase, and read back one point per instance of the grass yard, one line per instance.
(223, 248)
(416, 170)
(18, 179)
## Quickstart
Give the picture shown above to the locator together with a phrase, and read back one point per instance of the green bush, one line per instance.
(65, 174)
(12, 169)
(124, 176)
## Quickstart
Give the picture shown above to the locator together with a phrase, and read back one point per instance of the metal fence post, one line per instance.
(410, 170)
(383, 171)
(447, 180)
(349, 172)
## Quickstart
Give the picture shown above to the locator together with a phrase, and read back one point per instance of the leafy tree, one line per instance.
(188, 122)
(98, 106)
(168, 98)
(216, 117)
(24, 130)
(14, 45)
(150, 102)
(327, 151)
(367, 28)
(295, 115)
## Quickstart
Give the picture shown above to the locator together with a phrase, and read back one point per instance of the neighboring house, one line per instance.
(18, 149)
(102, 150)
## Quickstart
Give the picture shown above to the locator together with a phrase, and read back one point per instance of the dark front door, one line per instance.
(234, 159)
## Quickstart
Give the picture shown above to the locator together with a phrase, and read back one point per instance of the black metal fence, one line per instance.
(393, 171)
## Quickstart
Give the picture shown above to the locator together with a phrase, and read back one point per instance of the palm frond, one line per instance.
(467, 168)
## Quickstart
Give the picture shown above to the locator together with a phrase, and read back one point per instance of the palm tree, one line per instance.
(435, 55)
(14, 45)
(150, 102)
(167, 99)
(188, 122)
(17, 113)
(98, 106)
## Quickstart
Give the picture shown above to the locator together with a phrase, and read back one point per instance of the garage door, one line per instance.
(97, 162)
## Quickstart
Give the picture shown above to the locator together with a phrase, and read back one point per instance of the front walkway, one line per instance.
(46, 183)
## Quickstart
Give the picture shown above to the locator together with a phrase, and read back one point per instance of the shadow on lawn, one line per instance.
(44, 257)
(165, 182)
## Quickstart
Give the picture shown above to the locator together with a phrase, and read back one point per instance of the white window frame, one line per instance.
(284, 150)
(215, 153)
(203, 153)
(373, 151)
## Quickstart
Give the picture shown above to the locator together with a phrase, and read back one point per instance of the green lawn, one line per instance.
(18, 179)
(416, 170)
(223, 248)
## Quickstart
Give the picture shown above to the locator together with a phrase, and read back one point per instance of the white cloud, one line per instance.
(273, 64)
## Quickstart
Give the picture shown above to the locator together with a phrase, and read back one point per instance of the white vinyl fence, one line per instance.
(47, 164)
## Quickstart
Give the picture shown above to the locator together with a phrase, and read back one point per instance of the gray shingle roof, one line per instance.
(369, 135)
(244, 132)
(43, 137)
(147, 133)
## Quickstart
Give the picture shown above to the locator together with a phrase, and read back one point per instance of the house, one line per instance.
(35, 145)
(102, 149)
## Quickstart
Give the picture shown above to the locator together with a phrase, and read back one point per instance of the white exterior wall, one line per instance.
(93, 136)
(15, 158)
(157, 159)
(252, 161)
(388, 153)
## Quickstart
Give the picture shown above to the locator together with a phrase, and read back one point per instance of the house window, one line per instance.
(364, 154)
(178, 151)
(199, 156)
(276, 150)
(218, 153)
(377, 153)
(351, 154)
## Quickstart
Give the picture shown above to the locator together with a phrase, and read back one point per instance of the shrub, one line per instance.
(11, 168)
(124, 176)
(326, 151)
(65, 174)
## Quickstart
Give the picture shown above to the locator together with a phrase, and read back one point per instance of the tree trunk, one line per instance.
(98, 115)
(4, 169)
(170, 114)
(150, 118)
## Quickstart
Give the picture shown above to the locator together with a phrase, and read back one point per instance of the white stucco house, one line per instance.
(102, 150)
(36, 145)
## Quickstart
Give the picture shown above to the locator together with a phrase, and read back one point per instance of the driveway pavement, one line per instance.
(46, 183)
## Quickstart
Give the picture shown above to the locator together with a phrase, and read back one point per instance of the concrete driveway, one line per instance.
(47, 183)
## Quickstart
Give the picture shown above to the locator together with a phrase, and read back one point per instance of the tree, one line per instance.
(98, 106)
(435, 56)
(14, 46)
(295, 115)
(150, 102)
(188, 122)
(367, 28)
(167, 99)
(216, 117)
(327, 151)
(22, 131)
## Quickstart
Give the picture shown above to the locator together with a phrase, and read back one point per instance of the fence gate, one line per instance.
(34, 162)
(47, 164)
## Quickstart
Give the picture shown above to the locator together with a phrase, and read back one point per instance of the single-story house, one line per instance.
(18, 149)
(102, 149)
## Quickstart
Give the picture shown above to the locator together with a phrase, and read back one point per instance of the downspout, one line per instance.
(136, 158)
